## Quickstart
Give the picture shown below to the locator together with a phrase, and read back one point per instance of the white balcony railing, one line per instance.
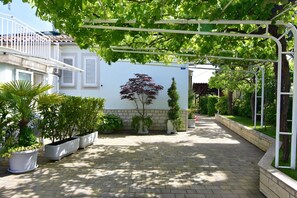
(17, 36)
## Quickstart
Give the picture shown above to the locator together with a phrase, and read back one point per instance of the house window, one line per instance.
(90, 72)
(68, 76)
(24, 75)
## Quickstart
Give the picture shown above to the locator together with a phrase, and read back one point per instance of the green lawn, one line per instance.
(268, 130)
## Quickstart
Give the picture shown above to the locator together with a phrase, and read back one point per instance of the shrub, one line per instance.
(270, 112)
(203, 105)
(211, 105)
(8, 122)
(51, 122)
(90, 110)
(136, 120)
(174, 109)
(222, 105)
(242, 107)
(109, 123)
(70, 115)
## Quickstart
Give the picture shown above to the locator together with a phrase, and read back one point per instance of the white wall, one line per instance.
(6, 73)
(111, 77)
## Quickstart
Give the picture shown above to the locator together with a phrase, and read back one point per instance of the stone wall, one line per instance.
(273, 183)
(260, 140)
(159, 117)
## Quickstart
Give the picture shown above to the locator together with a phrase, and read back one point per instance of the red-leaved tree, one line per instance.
(142, 91)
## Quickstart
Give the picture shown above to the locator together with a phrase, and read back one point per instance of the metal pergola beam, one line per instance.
(280, 52)
(190, 21)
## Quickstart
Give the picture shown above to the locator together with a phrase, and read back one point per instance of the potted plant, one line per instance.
(191, 110)
(141, 125)
(110, 123)
(8, 123)
(142, 91)
(90, 109)
(22, 147)
(58, 123)
(174, 120)
(191, 119)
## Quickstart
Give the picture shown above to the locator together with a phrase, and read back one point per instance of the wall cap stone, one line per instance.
(265, 163)
(267, 159)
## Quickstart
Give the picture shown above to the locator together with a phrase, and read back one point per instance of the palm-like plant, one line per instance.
(23, 97)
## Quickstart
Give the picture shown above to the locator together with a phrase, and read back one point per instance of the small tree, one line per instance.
(142, 91)
(174, 109)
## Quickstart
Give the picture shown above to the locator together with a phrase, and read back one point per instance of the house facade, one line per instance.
(55, 59)
(99, 79)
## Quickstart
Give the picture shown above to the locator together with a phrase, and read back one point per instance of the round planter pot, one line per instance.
(191, 123)
(141, 130)
(170, 128)
(24, 161)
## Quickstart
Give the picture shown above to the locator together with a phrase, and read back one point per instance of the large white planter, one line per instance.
(87, 140)
(144, 130)
(191, 123)
(170, 128)
(24, 161)
(61, 149)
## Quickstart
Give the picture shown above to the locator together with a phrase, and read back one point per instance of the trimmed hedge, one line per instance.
(211, 105)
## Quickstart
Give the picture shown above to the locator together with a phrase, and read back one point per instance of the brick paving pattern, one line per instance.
(209, 161)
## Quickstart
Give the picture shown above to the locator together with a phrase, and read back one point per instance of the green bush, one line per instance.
(147, 122)
(203, 105)
(270, 112)
(174, 109)
(8, 121)
(222, 105)
(69, 117)
(110, 123)
(211, 105)
(90, 110)
(242, 107)
(51, 122)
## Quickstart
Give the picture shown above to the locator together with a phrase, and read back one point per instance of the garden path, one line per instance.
(209, 161)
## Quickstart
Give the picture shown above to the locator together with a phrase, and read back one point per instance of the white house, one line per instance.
(55, 59)
(98, 79)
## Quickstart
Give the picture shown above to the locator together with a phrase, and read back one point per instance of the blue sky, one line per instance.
(26, 14)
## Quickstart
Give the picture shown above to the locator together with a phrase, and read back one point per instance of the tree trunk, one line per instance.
(285, 87)
(230, 102)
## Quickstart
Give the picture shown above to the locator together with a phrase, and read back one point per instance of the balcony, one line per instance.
(16, 36)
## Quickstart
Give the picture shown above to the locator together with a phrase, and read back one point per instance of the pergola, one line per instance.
(110, 25)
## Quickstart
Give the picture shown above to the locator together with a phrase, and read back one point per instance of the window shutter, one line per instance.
(90, 71)
(67, 76)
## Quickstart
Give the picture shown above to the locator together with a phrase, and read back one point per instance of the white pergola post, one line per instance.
(294, 109)
(232, 22)
(256, 99)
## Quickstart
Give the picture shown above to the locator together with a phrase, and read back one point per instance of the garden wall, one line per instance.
(159, 117)
(260, 140)
(273, 183)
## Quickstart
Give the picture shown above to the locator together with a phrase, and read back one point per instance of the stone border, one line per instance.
(258, 139)
(159, 117)
(273, 183)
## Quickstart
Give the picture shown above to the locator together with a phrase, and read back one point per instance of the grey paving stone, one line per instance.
(209, 161)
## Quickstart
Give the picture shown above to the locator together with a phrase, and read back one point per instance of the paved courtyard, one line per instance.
(209, 161)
